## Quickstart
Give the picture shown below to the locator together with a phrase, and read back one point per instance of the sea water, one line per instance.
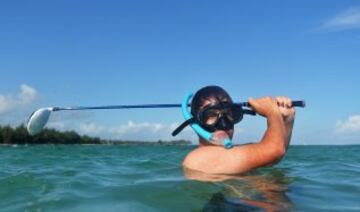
(151, 178)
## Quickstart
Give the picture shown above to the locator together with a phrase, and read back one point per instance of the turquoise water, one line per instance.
(150, 178)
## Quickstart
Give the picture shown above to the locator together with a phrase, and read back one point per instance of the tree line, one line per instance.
(19, 135)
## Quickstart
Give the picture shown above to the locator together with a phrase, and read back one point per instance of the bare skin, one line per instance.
(271, 190)
(213, 159)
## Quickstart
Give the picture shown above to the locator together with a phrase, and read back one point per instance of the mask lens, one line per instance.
(211, 115)
(228, 113)
(235, 114)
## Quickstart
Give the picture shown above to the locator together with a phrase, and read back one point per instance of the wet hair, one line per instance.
(208, 93)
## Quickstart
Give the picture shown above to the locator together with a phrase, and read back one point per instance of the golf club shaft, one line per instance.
(243, 104)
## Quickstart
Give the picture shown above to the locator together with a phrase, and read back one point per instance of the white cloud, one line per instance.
(130, 130)
(6, 103)
(132, 127)
(26, 96)
(91, 128)
(351, 125)
(347, 19)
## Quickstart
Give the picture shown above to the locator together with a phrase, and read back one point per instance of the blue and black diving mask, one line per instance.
(219, 115)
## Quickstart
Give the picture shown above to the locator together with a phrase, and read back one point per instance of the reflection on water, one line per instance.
(149, 178)
(260, 190)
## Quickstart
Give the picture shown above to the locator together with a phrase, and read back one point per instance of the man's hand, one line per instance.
(286, 109)
(265, 106)
(288, 113)
(282, 108)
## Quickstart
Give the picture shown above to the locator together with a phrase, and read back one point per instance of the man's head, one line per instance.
(213, 107)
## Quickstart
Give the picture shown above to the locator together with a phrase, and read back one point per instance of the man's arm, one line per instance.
(240, 159)
(273, 145)
(288, 114)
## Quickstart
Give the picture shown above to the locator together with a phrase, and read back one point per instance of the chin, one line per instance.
(229, 133)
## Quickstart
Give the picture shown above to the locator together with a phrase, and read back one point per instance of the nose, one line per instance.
(224, 124)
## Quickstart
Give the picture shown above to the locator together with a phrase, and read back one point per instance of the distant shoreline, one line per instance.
(20, 136)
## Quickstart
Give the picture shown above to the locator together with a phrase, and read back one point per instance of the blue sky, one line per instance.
(64, 53)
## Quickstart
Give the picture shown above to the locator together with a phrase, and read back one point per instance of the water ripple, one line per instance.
(150, 178)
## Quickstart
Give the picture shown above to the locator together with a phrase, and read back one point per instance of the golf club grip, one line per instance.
(297, 103)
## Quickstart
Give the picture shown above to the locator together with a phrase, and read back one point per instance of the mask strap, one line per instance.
(248, 112)
(196, 127)
(182, 126)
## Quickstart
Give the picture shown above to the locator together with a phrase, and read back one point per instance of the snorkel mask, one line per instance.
(219, 116)
(213, 117)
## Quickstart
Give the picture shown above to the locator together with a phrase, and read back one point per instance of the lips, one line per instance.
(221, 134)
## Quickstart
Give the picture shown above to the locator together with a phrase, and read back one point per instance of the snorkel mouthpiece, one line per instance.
(226, 141)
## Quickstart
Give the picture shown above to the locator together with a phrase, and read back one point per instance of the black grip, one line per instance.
(297, 103)
(300, 103)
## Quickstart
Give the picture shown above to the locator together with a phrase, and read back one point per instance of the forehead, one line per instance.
(214, 100)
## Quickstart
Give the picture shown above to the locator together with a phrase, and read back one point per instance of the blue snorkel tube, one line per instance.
(196, 127)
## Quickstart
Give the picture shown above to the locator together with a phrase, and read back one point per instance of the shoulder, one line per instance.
(198, 155)
(199, 158)
(237, 160)
(214, 159)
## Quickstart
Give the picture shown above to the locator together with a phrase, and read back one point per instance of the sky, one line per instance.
(91, 53)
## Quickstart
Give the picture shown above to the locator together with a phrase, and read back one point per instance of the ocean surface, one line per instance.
(151, 178)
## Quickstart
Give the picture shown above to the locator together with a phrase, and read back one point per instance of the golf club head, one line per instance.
(38, 120)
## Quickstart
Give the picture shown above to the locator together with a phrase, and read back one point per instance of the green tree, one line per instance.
(7, 134)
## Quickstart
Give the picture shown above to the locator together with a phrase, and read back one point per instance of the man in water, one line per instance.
(215, 159)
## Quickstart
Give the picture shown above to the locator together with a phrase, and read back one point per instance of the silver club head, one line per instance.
(38, 120)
